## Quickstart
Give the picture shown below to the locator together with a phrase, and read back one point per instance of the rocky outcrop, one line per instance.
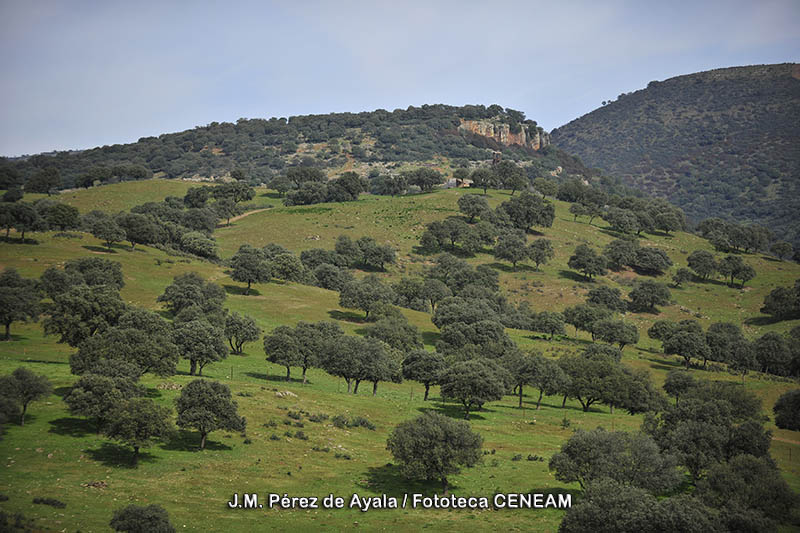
(529, 137)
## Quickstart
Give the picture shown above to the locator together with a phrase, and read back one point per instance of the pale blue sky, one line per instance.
(80, 74)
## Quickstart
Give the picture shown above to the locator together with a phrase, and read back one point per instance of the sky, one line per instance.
(78, 74)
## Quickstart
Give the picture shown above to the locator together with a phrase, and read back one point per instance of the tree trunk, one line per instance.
(23, 235)
(427, 388)
(135, 456)
(355, 389)
(192, 367)
(564, 403)
(230, 341)
(247, 290)
(444, 486)
(374, 388)
(288, 373)
(466, 414)
(539, 401)
(304, 375)
(200, 369)
(349, 386)
(133, 245)
(8, 331)
(611, 408)
(22, 416)
(520, 395)
(585, 406)
(203, 440)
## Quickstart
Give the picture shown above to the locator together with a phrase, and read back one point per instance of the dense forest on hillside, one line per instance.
(721, 143)
(264, 147)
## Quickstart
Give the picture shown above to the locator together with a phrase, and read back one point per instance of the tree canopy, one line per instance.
(434, 447)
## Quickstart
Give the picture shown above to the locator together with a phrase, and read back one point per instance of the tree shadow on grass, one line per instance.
(240, 290)
(73, 427)
(510, 269)
(152, 392)
(610, 232)
(347, 316)
(46, 362)
(763, 320)
(531, 405)
(15, 338)
(101, 249)
(273, 195)
(11, 240)
(61, 391)
(189, 441)
(453, 411)
(111, 454)
(388, 480)
(574, 276)
(273, 377)
(430, 337)
(667, 365)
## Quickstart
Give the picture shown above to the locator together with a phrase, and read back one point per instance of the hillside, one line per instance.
(58, 455)
(262, 148)
(723, 143)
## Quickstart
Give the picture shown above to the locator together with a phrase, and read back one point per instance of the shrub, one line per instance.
(360, 421)
(52, 502)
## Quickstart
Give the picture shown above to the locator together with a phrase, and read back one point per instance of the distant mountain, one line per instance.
(723, 143)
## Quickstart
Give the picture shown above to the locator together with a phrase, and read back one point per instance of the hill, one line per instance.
(261, 148)
(722, 143)
(58, 455)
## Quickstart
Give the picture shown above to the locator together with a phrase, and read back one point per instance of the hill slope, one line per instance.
(722, 143)
(55, 454)
(262, 147)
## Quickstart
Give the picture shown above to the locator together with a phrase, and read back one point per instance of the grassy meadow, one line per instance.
(57, 455)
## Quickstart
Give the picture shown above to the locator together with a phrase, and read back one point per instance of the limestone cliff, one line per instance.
(528, 136)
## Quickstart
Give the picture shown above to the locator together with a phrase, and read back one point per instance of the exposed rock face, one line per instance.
(500, 132)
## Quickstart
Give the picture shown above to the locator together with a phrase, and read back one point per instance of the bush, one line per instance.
(274, 437)
(360, 421)
(317, 418)
(52, 502)
(787, 410)
(300, 435)
(339, 421)
(136, 519)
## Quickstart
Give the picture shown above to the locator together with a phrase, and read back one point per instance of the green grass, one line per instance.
(122, 196)
(55, 453)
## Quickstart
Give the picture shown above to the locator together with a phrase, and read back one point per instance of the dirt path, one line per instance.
(239, 217)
